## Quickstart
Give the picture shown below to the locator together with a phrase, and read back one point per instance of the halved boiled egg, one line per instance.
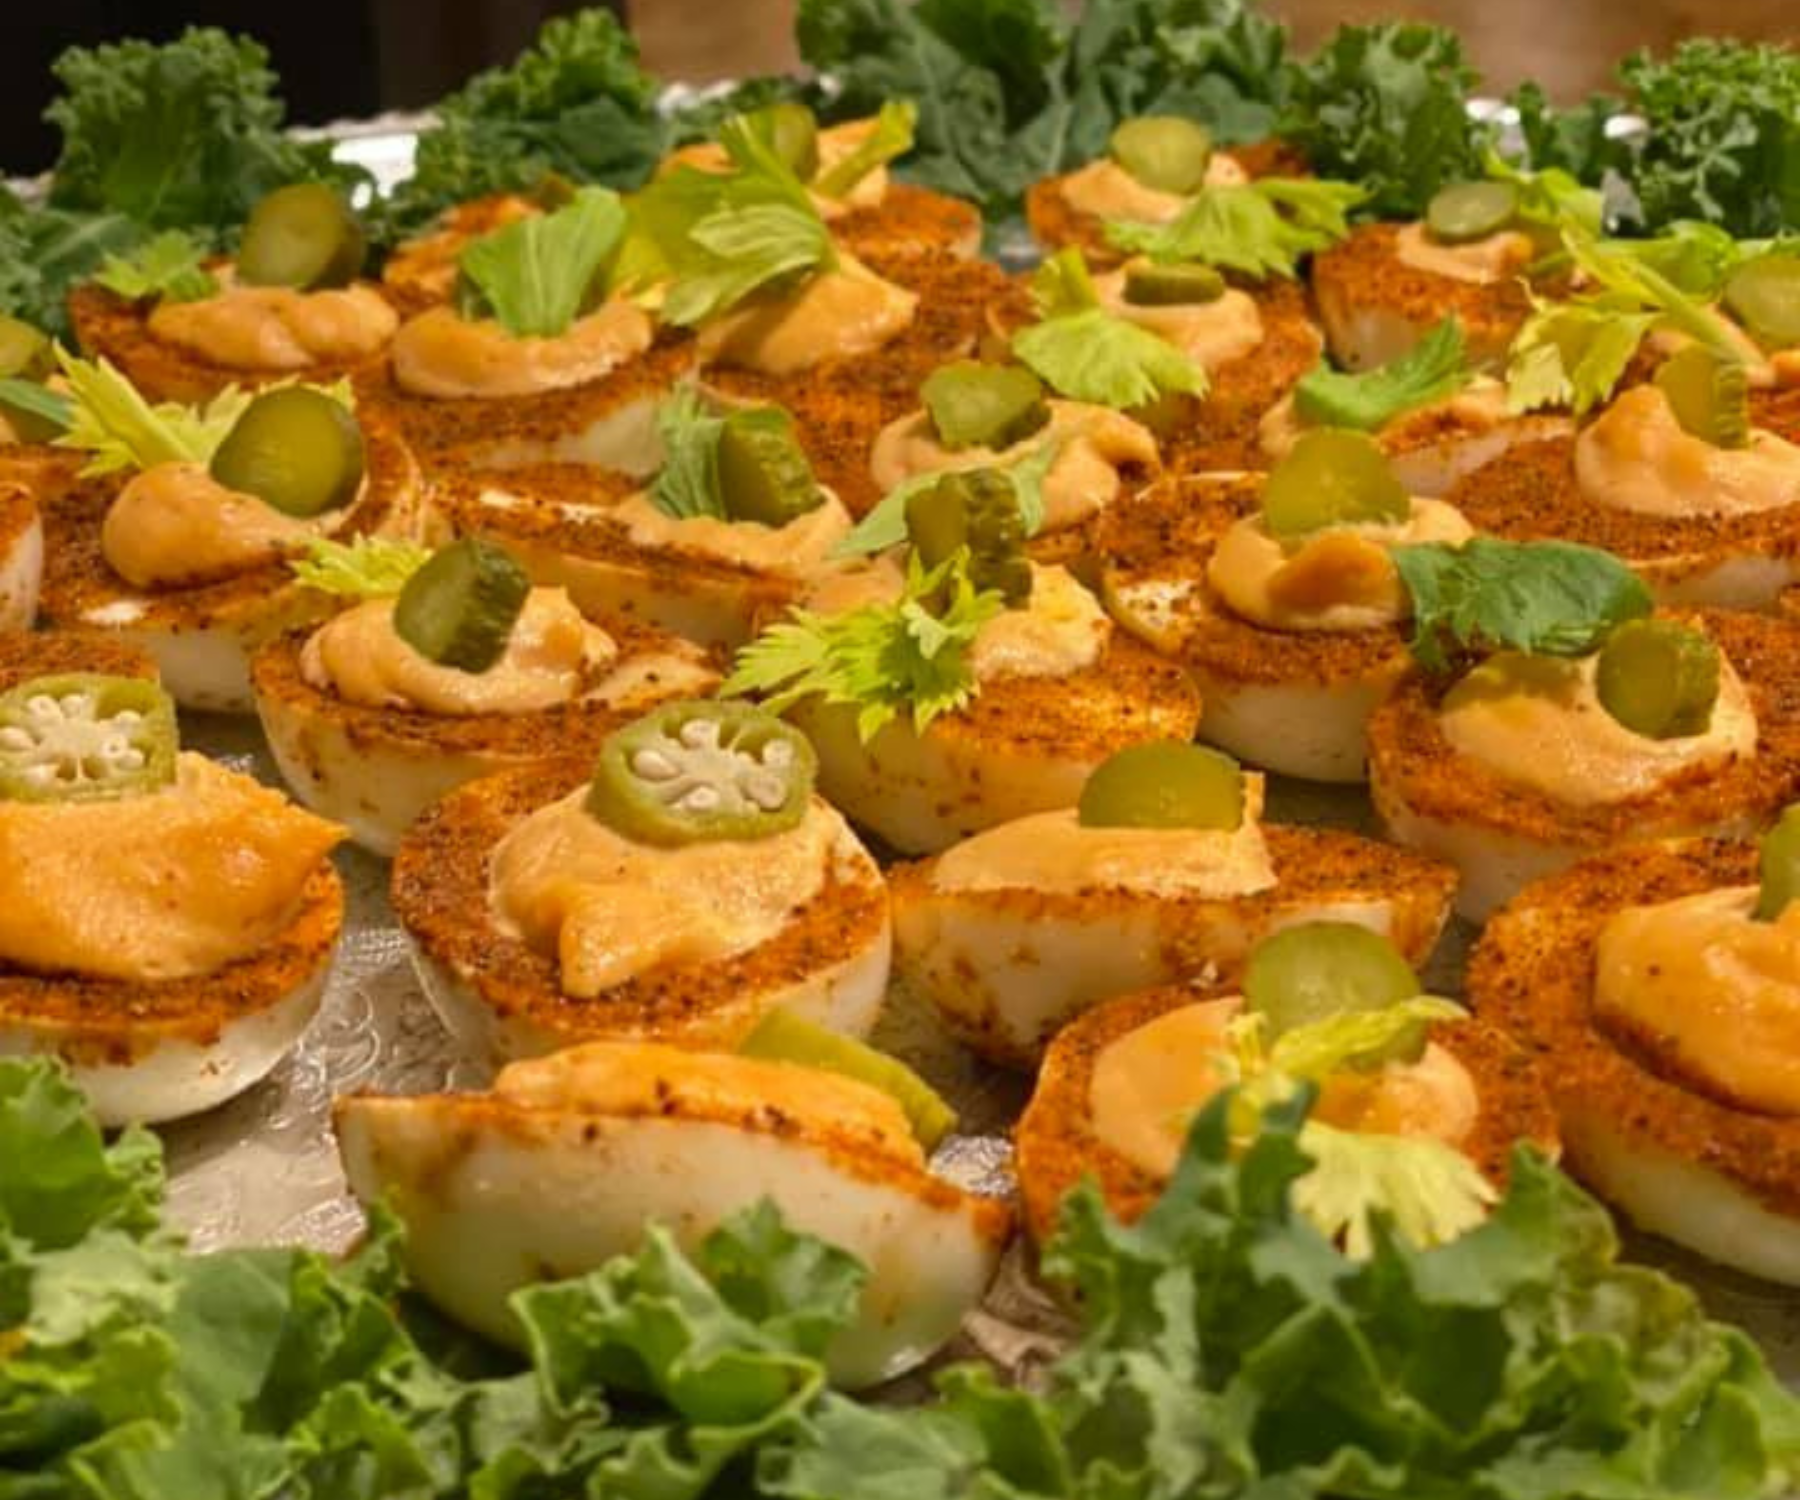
(561, 1166)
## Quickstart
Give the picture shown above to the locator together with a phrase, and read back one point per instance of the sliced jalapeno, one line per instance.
(1164, 784)
(700, 772)
(1765, 296)
(763, 473)
(977, 509)
(458, 610)
(85, 737)
(782, 1036)
(974, 405)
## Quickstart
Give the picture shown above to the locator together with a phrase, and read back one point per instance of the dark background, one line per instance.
(335, 58)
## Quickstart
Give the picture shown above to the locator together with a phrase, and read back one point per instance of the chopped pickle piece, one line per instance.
(1467, 211)
(458, 609)
(1659, 678)
(296, 449)
(1316, 970)
(1779, 859)
(25, 353)
(1332, 476)
(1168, 414)
(792, 133)
(698, 772)
(782, 1036)
(1164, 784)
(763, 473)
(984, 406)
(85, 737)
(977, 509)
(303, 236)
(1164, 152)
(1710, 396)
(1173, 286)
(1764, 295)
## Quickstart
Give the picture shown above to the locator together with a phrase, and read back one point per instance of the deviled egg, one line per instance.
(679, 889)
(1434, 419)
(566, 1161)
(287, 306)
(465, 671)
(1529, 761)
(21, 556)
(168, 924)
(177, 532)
(1165, 871)
(1404, 1082)
(844, 170)
(1679, 476)
(730, 530)
(1661, 985)
(976, 688)
(1280, 595)
(1153, 168)
(1385, 286)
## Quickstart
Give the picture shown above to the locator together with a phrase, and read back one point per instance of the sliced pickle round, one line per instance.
(698, 772)
(763, 473)
(1332, 476)
(305, 237)
(1710, 396)
(458, 610)
(782, 1036)
(1659, 678)
(296, 449)
(1165, 152)
(1764, 295)
(1180, 285)
(792, 133)
(1164, 784)
(85, 737)
(1778, 858)
(977, 509)
(1316, 970)
(25, 353)
(1467, 211)
(974, 405)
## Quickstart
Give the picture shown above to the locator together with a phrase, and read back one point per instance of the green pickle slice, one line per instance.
(85, 737)
(25, 352)
(1316, 970)
(1710, 396)
(1778, 857)
(792, 133)
(763, 473)
(1467, 211)
(1764, 295)
(1164, 152)
(1164, 784)
(697, 772)
(1659, 678)
(1181, 285)
(296, 449)
(977, 509)
(305, 237)
(1332, 476)
(782, 1036)
(458, 610)
(974, 405)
